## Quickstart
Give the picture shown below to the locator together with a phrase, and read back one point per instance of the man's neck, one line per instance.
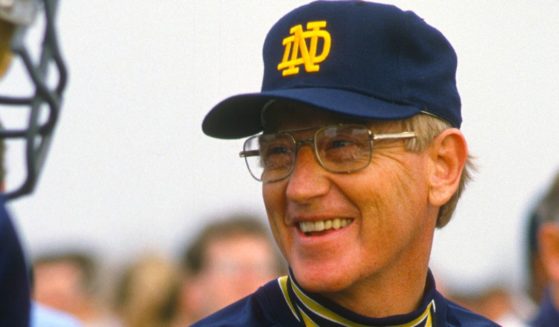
(383, 297)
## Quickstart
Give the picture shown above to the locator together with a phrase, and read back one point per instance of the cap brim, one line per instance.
(240, 116)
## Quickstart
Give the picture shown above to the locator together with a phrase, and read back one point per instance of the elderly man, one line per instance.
(40, 108)
(360, 159)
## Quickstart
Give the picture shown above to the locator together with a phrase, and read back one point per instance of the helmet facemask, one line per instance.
(37, 111)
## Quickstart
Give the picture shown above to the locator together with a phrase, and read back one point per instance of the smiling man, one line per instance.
(355, 138)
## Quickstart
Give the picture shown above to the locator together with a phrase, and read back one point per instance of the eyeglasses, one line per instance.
(337, 148)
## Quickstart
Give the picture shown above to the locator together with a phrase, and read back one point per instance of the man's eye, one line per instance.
(277, 149)
(339, 143)
(342, 150)
(276, 157)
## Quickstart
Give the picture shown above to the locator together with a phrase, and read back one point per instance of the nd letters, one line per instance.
(301, 47)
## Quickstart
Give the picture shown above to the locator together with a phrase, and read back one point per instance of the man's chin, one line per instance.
(320, 282)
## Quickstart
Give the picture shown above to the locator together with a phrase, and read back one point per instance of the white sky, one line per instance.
(130, 169)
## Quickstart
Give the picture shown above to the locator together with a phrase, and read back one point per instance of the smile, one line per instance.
(323, 225)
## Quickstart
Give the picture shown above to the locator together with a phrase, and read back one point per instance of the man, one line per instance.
(546, 213)
(43, 104)
(226, 261)
(361, 157)
(67, 280)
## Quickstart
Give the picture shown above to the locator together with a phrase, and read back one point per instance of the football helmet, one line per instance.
(47, 75)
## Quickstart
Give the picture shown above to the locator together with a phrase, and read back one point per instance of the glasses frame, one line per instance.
(312, 142)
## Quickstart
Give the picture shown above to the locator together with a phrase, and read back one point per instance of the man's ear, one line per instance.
(548, 241)
(447, 154)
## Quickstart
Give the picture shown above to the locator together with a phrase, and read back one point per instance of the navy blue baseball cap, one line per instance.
(356, 58)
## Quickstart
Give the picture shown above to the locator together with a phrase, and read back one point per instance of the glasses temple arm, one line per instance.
(251, 153)
(393, 136)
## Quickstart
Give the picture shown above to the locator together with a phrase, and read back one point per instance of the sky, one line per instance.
(130, 170)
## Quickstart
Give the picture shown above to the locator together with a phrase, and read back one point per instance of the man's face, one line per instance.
(235, 267)
(385, 206)
(59, 285)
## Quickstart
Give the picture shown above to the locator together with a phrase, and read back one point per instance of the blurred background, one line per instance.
(130, 170)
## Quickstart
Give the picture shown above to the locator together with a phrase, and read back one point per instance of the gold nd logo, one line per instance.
(298, 52)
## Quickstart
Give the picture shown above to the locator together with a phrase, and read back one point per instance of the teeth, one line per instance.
(336, 224)
(322, 225)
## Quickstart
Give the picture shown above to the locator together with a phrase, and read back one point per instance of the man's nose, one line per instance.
(307, 180)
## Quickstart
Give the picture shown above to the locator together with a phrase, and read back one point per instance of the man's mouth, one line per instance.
(309, 227)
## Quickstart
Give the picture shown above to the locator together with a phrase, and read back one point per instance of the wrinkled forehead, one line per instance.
(289, 115)
(282, 115)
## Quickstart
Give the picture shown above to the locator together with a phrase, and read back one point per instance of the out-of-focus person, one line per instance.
(146, 293)
(546, 214)
(69, 281)
(228, 259)
(536, 276)
(495, 301)
(40, 106)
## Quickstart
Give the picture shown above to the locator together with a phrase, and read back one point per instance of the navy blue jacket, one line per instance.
(14, 286)
(282, 303)
(548, 315)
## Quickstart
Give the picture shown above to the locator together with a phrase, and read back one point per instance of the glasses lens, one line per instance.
(270, 158)
(343, 149)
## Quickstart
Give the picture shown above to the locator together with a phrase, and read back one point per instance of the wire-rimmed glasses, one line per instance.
(343, 148)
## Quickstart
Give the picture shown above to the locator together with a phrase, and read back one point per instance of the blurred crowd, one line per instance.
(226, 261)
(229, 259)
